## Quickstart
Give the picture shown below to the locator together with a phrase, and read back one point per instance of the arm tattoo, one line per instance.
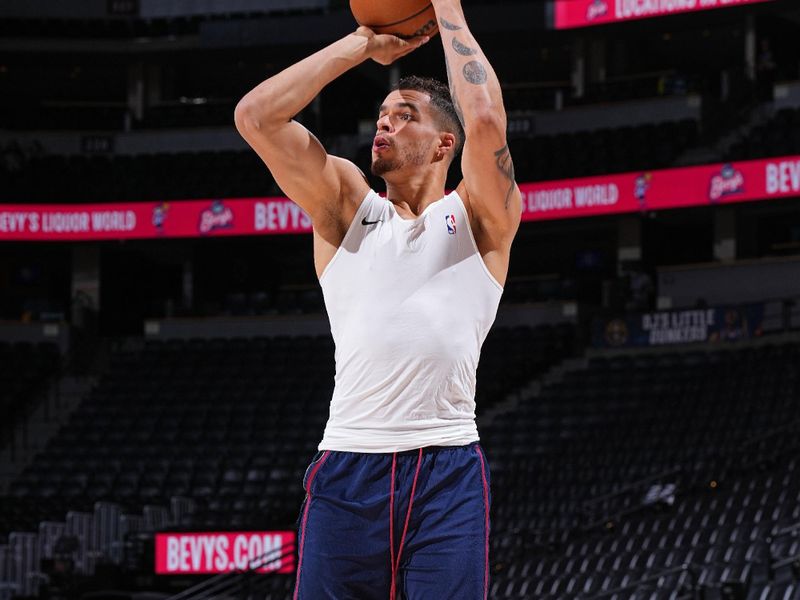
(462, 49)
(453, 95)
(448, 25)
(506, 167)
(474, 72)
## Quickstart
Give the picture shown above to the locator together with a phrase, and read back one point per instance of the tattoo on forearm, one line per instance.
(462, 49)
(448, 25)
(453, 95)
(474, 72)
(506, 167)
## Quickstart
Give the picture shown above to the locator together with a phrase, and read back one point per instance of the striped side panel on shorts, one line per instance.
(309, 484)
(486, 521)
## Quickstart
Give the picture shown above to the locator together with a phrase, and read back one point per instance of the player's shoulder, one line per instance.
(355, 184)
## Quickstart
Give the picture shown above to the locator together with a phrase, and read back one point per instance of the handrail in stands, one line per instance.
(772, 432)
(609, 514)
(783, 562)
(628, 488)
(687, 567)
(776, 563)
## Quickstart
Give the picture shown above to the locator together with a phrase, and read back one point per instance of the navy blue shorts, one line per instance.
(412, 525)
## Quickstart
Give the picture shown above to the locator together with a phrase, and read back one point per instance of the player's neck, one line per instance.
(413, 194)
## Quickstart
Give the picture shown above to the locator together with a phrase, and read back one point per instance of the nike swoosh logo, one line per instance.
(365, 222)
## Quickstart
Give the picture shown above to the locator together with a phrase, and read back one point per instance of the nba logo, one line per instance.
(451, 224)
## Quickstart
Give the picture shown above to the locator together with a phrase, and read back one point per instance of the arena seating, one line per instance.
(160, 176)
(629, 476)
(64, 118)
(220, 419)
(114, 116)
(602, 151)
(287, 299)
(587, 153)
(226, 424)
(666, 469)
(527, 96)
(176, 116)
(25, 370)
(780, 136)
(230, 174)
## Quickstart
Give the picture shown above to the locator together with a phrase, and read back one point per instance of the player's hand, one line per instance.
(385, 49)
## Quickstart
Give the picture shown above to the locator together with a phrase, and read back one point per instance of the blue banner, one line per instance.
(686, 326)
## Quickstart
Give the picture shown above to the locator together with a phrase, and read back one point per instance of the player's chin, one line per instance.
(381, 166)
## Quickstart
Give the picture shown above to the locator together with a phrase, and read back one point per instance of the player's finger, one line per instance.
(416, 42)
(412, 44)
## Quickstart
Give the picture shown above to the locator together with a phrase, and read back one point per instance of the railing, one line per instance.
(688, 568)
(591, 514)
(48, 397)
(794, 561)
(776, 562)
(767, 441)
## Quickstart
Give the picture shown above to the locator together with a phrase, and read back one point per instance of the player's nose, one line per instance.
(384, 123)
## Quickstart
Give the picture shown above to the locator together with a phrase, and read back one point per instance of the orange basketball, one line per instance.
(403, 18)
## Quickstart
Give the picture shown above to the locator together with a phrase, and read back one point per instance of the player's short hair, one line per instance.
(441, 101)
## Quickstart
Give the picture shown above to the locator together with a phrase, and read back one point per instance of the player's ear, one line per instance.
(447, 145)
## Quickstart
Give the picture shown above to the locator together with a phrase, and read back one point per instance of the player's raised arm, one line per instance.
(486, 162)
(298, 162)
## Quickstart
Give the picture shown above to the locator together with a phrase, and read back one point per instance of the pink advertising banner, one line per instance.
(581, 13)
(173, 219)
(222, 552)
(746, 181)
(658, 190)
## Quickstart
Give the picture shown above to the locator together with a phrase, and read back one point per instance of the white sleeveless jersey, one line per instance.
(410, 303)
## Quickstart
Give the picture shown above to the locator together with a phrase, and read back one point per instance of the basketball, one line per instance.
(403, 18)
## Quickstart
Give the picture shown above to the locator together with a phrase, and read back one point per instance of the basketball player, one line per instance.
(397, 499)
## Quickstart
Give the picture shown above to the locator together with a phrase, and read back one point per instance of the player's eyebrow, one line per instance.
(408, 105)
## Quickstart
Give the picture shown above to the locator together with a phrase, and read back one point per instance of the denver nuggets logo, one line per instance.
(616, 332)
(451, 224)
